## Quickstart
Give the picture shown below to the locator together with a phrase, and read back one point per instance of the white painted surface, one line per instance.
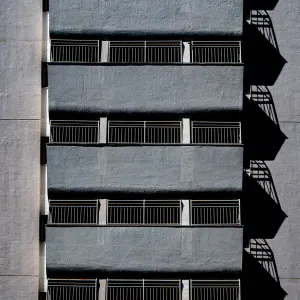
(186, 131)
(102, 211)
(104, 51)
(186, 52)
(103, 130)
(185, 217)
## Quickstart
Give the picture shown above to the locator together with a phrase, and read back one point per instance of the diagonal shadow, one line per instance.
(263, 61)
(262, 214)
(260, 277)
(262, 135)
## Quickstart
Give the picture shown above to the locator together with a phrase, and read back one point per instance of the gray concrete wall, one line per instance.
(144, 249)
(145, 169)
(285, 168)
(149, 88)
(20, 89)
(142, 17)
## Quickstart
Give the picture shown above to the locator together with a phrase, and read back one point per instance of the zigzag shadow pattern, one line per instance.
(263, 136)
(263, 61)
(263, 215)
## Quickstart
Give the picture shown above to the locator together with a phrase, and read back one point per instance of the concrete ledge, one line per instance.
(174, 89)
(142, 17)
(144, 249)
(144, 169)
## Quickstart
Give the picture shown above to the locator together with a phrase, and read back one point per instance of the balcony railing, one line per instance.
(215, 212)
(144, 132)
(78, 132)
(83, 51)
(145, 52)
(157, 212)
(73, 211)
(215, 290)
(72, 289)
(216, 52)
(215, 133)
(163, 51)
(143, 289)
(145, 212)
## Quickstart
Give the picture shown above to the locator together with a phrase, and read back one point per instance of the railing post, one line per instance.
(102, 289)
(104, 51)
(186, 131)
(103, 130)
(186, 52)
(102, 216)
(185, 290)
(185, 215)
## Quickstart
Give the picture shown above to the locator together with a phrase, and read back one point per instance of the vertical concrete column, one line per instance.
(186, 52)
(43, 280)
(185, 289)
(102, 289)
(102, 211)
(103, 130)
(104, 51)
(186, 131)
(185, 217)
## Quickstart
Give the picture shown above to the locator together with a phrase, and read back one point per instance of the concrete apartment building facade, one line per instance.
(149, 150)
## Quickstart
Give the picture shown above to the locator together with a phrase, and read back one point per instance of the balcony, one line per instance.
(175, 250)
(149, 169)
(142, 289)
(145, 212)
(169, 88)
(144, 18)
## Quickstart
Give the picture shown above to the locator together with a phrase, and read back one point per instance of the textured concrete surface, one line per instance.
(20, 88)
(144, 249)
(18, 288)
(147, 169)
(156, 88)
(144, 17)
(285, 168)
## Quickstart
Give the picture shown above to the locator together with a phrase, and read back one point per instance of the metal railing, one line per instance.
(215, 133)
(82, 51)
(162, 212)
(261, 250)
(143, 289)
(215, 290)
(73, 211)
(216, 52)
(78, 132)
(215, 212)
(145, 132)
(145, 51)
(72, 289)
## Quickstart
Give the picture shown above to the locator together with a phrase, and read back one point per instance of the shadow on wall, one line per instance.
(263, 4)
(262, 214)
(263, 61)
(263, 137)
(260, 279)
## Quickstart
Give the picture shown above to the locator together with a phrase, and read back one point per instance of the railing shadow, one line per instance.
(262, 96)
(263, 137)
(260, 277)
(263, 61)
(262, 213)
(262, 21)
